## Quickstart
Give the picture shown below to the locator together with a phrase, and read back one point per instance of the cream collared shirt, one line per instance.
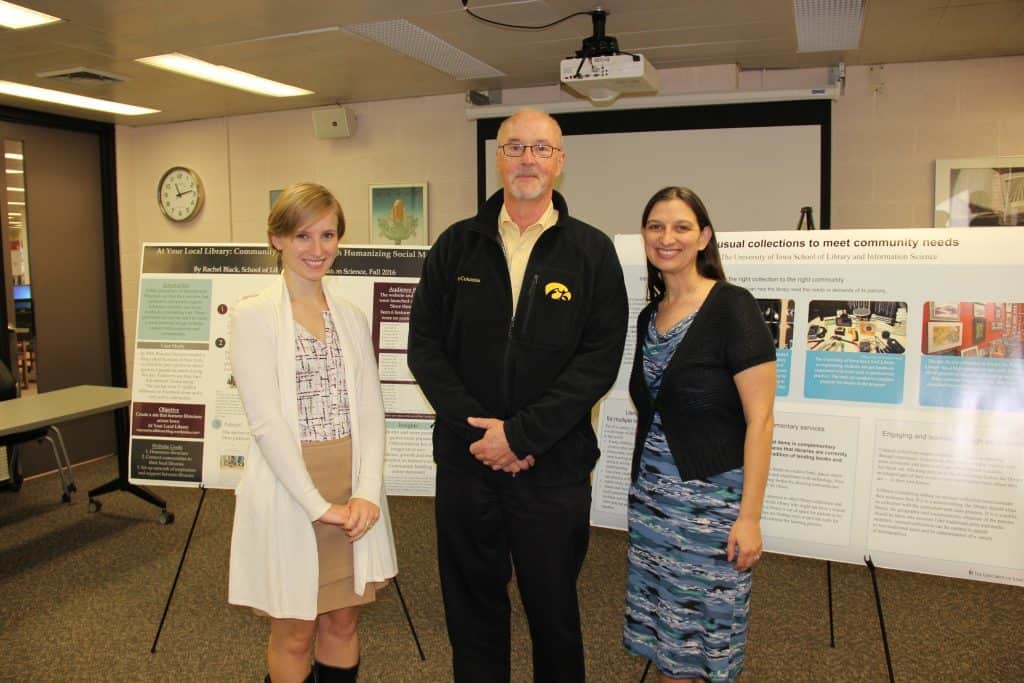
(518, 246)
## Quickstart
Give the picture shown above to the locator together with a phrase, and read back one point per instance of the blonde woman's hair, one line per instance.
(298, 205)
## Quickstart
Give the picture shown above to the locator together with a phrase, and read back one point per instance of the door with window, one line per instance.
(55, 272)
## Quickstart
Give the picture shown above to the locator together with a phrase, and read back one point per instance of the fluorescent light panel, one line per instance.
(223, 75)
(13, 155)
(423, 46)
(828, 25)
(16, 16)
(57, 97)
(15, 189)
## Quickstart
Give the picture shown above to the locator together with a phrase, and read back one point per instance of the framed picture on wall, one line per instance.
(984, 191)
(943, 310)
(979, 330)
(943, 336)
(398, 214)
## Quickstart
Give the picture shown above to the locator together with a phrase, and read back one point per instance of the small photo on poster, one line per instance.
(857, 326)
(973, 329)
(778, 315)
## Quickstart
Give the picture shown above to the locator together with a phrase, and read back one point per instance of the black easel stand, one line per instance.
(181, 563)
(881, 618)
(831, 620)
(177, 574)
(412, 629)
(646, 669)
(806, 221)
(121, 483)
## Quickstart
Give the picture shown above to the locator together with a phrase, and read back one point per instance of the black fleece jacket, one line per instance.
(540, 372)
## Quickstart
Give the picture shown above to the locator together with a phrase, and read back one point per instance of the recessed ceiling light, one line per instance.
(57, 97)
(828, 25)
(16, 16)
(423, 46)
(224, 75)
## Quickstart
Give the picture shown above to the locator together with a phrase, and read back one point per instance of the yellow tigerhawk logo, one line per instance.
(557, 291)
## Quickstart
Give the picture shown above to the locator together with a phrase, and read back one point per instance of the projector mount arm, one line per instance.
(597, 45)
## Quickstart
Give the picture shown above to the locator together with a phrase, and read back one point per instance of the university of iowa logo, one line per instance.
(557, 291)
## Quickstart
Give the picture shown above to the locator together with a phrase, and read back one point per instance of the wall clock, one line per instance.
(180, 194)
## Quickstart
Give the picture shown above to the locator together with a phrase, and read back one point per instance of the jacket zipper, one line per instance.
(507, 370)
(511, 326)
(530, 293)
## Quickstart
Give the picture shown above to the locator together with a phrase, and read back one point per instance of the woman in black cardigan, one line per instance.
(703, 383)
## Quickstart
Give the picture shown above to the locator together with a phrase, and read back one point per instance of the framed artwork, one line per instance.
(983, 191)
(969, 352)
(274, 194)
(979, 310)
(943, 310)
(997, 311)
(943, 336)
(398, 214)
(979, 330)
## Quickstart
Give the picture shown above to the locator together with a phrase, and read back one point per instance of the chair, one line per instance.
(26, 357)
(8, 391)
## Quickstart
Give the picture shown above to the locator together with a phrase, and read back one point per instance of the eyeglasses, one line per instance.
(518, 149)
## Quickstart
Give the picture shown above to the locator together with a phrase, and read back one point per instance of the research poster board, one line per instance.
(188, 427)
(899, 414)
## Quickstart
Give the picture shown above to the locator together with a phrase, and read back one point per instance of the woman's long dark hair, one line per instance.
(709, 263)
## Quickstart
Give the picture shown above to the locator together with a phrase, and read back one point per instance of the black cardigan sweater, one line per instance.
(701, 412)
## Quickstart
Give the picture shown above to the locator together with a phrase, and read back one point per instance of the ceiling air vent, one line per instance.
(82, 74)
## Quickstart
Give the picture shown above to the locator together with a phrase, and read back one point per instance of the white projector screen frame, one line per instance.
(754, 165)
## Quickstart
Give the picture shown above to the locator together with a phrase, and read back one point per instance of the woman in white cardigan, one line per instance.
(312, 538)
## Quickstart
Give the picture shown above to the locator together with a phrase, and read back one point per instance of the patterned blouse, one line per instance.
(658, 351)
(320, 388)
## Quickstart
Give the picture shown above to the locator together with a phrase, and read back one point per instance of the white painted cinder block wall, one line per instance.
(887, 131)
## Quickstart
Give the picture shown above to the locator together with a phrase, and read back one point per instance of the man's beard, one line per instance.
(526, 195)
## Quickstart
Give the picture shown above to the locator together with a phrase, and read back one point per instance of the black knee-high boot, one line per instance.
(323, 673)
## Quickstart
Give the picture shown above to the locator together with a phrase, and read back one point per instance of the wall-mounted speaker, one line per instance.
(336, 122)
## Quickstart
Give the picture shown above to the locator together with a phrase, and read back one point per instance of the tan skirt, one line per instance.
(330, 466)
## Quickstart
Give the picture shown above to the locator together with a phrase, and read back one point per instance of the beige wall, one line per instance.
(887, 130)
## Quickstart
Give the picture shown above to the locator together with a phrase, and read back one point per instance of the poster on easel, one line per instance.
(188, 426)
(899, 413)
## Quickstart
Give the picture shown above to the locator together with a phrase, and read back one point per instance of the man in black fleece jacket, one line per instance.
(516, 331)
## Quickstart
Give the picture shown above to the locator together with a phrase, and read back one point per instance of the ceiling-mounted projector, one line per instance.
(602, 79)
(600, 72)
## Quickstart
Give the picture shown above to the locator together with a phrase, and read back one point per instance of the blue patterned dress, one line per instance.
(686, 606)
